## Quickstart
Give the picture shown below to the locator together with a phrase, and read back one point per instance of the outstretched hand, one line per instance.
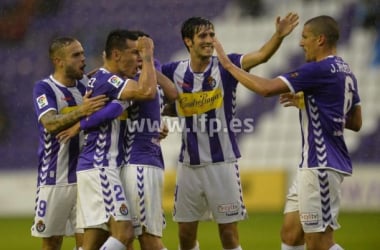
(222, 56)
(164, 131)
(65, 135)
(92, 104)
(286, 25)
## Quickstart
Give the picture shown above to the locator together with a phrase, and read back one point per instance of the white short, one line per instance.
(143, 185)
(55, 211)
(100, 196)
(209, 192)
(316, 194)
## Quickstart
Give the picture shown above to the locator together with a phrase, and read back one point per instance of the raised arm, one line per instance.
(167, 86)
(145, 88)
(283, 28)
(262, 86)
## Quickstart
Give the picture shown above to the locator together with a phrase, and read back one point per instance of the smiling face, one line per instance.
(201, 46)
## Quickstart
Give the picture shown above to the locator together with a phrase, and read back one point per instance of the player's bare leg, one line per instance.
(291, 232)
(320, 240)
(187, 235)
(94, 238)
(150, 242)
(52, 243)
(229, 236)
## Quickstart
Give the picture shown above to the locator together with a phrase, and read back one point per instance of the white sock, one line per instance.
(112, 244)
(236, 248)
(286, 247)
(336, 247)
(194, 248)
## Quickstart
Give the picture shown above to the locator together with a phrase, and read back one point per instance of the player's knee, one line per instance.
(291, 237)
(126, 237)
(187, 232)
(229, 237)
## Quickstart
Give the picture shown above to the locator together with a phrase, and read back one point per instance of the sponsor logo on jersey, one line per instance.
(115, 81)
(68, 109)
(229, 209)
(42, 101)
(185, 86)
(40, 226)
(309, 218)
(189, 104)
(66, 98)
(294, 74)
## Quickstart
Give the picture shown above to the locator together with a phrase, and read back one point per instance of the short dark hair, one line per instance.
(327, 26)
(192, 25)
(59, 43)
(116, 39)
(139, 33)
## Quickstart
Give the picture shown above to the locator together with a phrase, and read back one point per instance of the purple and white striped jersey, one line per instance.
(143, 125)
(104, 145)
(57, 161)
(206, 110)
(330, 91)
(142, 139)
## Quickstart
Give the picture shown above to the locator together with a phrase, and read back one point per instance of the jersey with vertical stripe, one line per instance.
(57, 161)
(206, 111)
(330, 91)
(143, 125)
(104, 145)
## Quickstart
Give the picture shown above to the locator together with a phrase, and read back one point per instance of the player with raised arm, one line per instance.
(143, 153)
(208, 179)
(143, 175)
(331, 104)
(102, 205)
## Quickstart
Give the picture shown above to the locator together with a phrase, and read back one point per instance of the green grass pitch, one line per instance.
(360, 231)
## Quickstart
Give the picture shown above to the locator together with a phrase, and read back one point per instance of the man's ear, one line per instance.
(115, 54)
(321, 40)
(188, 41)
(57, 61)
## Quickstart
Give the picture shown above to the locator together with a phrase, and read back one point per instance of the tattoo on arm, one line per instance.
(55, 123)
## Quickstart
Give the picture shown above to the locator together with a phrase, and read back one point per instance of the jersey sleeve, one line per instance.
(236, 59)
(355, 97)
(168, 69)
(111, 111)
(299, 79)
(107, 84)
(44, 99)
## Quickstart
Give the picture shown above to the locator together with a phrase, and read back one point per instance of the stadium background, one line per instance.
(270, 154)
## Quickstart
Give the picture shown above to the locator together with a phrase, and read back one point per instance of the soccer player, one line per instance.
(102, 204)
(58, 104)
(331, 104)
(143, 175)
(143, 152)
(208, 181)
